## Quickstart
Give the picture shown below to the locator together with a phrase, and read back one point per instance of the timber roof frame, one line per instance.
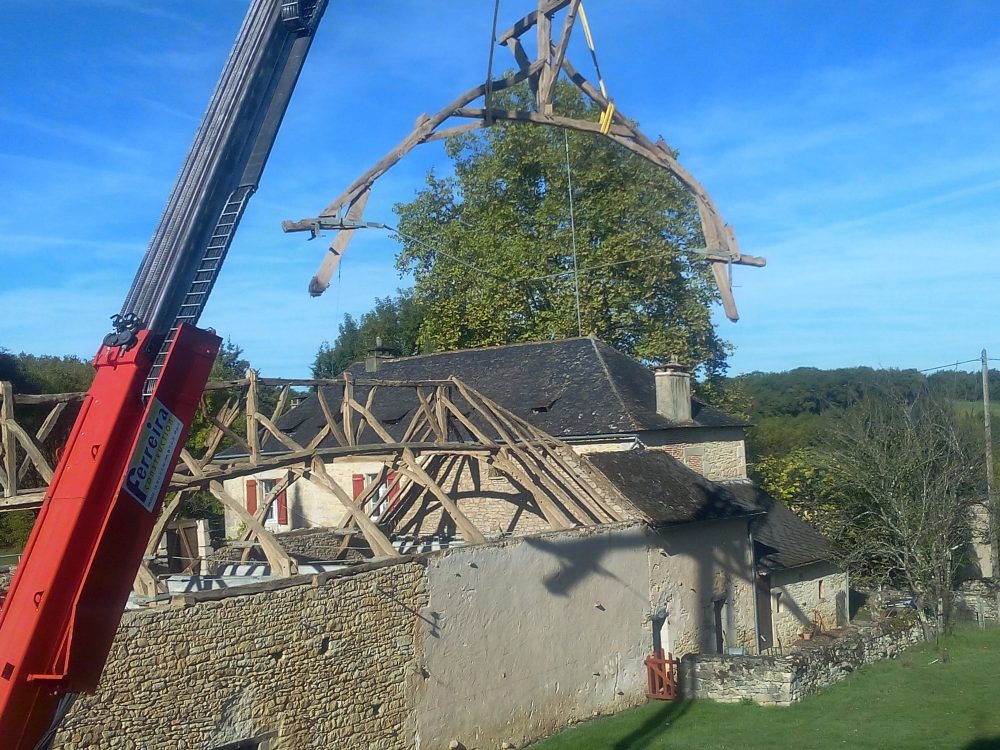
(345, 214)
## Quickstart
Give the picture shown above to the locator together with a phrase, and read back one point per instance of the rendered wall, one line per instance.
(530, 635)
(691, 569)
(502, 642)
(816, 593)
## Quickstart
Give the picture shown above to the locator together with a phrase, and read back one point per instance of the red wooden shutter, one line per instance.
(251, 496)
(359, 484)
(393, 491)
(282, 502)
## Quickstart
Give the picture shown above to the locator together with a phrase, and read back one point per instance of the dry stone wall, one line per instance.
(324, 663)
(783, 680)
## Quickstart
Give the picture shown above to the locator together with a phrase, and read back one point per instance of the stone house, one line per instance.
(796, 572)
(579, 390)
(730, 577)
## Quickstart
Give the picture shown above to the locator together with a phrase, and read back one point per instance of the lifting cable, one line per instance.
(608, 114)
(488, 103)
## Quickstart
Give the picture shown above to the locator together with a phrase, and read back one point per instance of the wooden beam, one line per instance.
(543, 28)
(145, 583)
(31, 448)
(281, 564)
(48, 398)
(234, 470)
(372, 422)
(378, 541)
(226, 416)
(345, 409)
(253, 437)
(547, 7)
(355, 215)
(281, 437)
(279, 408)
(453, 131)
(470, 533)
(515, 115)
(331, 425)
(556, 518)
(415, 138)
(7, 439)
(368, 406)
(43, 432)
(560, 54)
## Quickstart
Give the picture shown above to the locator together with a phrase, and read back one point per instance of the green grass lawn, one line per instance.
(944, 696)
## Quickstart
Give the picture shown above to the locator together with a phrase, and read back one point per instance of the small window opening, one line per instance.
(777, 602)
(819, 589)
(539, 409)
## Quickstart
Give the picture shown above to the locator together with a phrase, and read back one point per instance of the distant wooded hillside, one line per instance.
(808, 390)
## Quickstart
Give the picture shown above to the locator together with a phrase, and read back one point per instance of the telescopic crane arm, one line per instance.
(70, 589)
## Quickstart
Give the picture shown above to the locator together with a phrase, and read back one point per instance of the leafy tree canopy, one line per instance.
(393, 324)
(43, 373)
(490, 247)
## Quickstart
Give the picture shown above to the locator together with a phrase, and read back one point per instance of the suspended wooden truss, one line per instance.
(425, 435)
(345, 214)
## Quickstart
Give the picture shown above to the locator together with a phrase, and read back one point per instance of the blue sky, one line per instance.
(855, 145)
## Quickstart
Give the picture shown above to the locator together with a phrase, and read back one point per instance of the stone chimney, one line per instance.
(673, 392)
(376, 356)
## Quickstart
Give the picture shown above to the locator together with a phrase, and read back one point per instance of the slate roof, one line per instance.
(571, 387)
(666, 491)
(792, 541)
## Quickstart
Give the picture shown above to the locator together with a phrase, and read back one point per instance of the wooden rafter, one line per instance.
(722, 249)
(449, 428)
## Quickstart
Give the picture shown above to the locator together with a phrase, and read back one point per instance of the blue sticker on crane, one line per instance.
(152, 458)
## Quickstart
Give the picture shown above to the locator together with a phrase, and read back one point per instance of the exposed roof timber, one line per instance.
(548, 7)
(722, 246)
(437, 437)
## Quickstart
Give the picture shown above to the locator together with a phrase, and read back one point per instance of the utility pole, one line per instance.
(990, 494)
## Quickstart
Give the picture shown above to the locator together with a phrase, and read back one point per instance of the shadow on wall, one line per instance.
(652, 729)
(581, 558)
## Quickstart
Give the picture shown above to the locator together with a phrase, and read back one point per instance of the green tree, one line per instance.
(393, 324)
(32, 373)
(905, 488)
(490, 247)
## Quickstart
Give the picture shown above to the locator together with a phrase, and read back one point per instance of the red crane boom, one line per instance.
(66, 600)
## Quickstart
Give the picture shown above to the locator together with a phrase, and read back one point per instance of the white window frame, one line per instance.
(264, 486)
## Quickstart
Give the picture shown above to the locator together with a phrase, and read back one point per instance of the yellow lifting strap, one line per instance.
(607, 116)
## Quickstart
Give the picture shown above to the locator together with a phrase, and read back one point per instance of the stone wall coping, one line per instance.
(277, 584)
(318, 579)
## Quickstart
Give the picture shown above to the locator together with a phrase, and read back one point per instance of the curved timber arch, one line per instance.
(345, 213)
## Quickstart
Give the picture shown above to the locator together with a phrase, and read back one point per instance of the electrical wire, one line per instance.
(572, 228)
(488, 99)
(951, 364)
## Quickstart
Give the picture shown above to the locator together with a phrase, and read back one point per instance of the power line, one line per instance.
(572, 228)
(951, 364)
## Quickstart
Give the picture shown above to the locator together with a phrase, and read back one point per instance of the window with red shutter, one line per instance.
(358, 480)
(282, 501)
(393, 490)
(251, 496)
